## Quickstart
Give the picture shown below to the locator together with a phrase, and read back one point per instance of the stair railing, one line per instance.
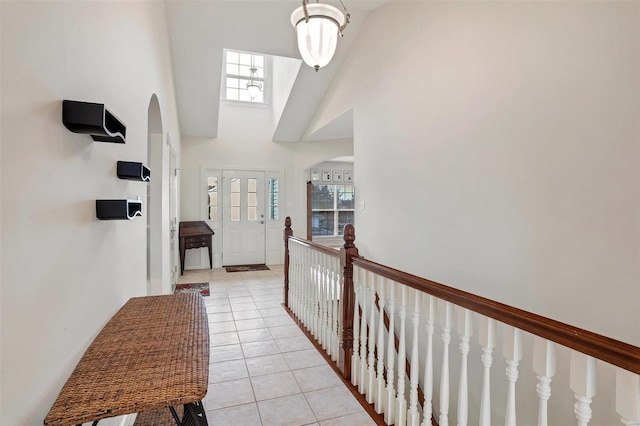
(350, 305)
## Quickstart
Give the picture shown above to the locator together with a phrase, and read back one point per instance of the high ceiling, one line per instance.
(200, 30)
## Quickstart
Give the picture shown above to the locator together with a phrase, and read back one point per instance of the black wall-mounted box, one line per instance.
(93, 119)
(118, 209)
(130, 170)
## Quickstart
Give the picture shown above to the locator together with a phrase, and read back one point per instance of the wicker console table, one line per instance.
(153, 354)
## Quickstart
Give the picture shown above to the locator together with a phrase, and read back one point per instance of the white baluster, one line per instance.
(319, 313)
(318, 287)
(328, 334)
(335, 325)
(304, 271)
(380, 387)
(292, 274)
(326, 302)
(465, 330)
(401, 402)
(544, 365)
(362, 381)
(355, 356)
(413, 416)
(512, 351)
(628, 397)
(445, 312)
(389, 414)
(293, 286)
(312, 291)
(298, 283)
(329, 299)
(430, 315)
(305, 289)
(583, 382)
(371, 369)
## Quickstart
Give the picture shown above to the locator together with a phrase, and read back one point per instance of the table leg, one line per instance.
(194, 415)
(210, 257)
(182, 250)
(175, 416)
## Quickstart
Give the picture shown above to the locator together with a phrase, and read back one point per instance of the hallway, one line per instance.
(263, 369)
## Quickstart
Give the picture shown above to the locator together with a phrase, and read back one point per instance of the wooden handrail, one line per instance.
(613, 351)
(316, 246)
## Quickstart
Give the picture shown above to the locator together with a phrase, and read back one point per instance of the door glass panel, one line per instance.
(235, 200)
(252, 199)
(235, 185)
(212, 195)
(273, 199)
(252, 185)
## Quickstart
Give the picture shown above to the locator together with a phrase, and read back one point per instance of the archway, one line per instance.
(157, 212)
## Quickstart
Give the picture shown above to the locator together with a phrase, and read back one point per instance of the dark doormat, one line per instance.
(246, 268)
(202, 288)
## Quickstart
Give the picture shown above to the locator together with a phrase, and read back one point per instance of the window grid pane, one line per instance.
(344, 217)
(212, 193)
(322, 197)
(322, 223)
(238, 68)
(235, 200)
(346, 199)
(252, 199)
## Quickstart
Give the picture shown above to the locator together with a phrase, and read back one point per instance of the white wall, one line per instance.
(284, 72)
(66, 273)
(497, 149)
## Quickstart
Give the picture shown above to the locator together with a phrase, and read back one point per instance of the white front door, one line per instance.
(243, 232)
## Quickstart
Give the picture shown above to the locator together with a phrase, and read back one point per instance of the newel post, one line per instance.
(347, 253)
(288, 232)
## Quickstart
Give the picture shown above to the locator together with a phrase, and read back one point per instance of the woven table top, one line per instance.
(153, 353)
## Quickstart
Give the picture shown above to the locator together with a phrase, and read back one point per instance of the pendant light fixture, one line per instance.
(317, 26)
(254, 86)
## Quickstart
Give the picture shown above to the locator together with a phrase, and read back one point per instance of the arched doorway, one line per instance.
(157, 234)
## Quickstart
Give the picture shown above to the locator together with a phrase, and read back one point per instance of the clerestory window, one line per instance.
(244, 77)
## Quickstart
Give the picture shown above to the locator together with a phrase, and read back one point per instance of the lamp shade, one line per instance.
(254, 86)
(253, 89)
(317, 37)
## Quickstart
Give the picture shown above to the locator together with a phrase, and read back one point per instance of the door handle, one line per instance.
(261, 222)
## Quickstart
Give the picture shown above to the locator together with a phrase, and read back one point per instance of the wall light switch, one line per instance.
(289, 205)
(362, 205)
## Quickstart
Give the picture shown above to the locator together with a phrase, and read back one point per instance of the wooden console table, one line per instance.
(195, 234)
(153, 354)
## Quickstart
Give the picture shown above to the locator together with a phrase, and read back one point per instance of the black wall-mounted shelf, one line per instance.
(130, 170)
(93, 119)
(118, 209)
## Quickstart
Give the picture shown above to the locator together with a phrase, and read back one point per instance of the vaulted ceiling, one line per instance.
(200, 30)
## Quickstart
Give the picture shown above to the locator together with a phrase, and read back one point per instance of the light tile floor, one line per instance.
(264, 370)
